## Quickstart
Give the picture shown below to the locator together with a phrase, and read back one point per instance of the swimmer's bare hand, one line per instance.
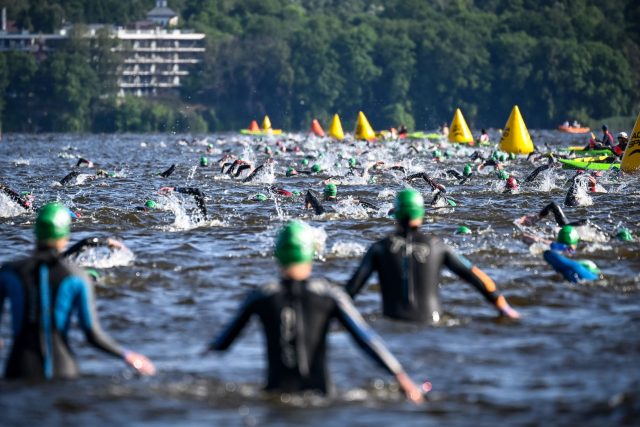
(528, 220)
(409, 388)
(165, 190)
(114, 244)
(140, 363)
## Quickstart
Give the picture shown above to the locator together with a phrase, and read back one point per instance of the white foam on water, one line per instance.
(350, 208)
(104, 257)
(9, 208)
(21, 162)
(342, 249)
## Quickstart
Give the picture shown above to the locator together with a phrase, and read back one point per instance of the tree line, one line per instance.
(401, 61)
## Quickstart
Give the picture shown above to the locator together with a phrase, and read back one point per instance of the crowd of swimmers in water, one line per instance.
(46, 290)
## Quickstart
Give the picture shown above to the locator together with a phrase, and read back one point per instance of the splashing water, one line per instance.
(582, 194)
(349, 208)
(104, 258)
(547, 181)
(342, 249)
(9, 208)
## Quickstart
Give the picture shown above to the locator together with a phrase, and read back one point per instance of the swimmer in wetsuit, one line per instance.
(572, 270)
(198, 196)
(24, 199)
(92, 242)
(558, 215)
(408, 265)
(45, 291)
(330, 195)
(296, 314)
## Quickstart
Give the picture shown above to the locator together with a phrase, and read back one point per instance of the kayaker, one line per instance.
(45, 291)
(296, 313)
(408, 264)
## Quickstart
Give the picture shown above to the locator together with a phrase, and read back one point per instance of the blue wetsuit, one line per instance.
(45, 292)
(572, 270)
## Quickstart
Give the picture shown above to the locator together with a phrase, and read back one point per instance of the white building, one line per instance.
(156, 60)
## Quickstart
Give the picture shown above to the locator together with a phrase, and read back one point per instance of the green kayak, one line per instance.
(424, 135)
(579, 164)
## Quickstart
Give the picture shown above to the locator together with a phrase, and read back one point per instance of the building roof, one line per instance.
(161, 12)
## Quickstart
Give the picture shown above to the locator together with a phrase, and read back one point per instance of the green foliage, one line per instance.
(406, 62)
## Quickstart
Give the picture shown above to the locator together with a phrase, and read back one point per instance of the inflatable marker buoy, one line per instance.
(253, 127)
(515, 137)
(335, 128)
(316, 129)
(364, 131)
(459, 131)
(631, 158)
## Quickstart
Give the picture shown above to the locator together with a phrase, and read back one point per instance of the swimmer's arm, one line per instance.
(310, 200)
(197, 195)
(224, 340)
(252, 175)
(89, 242)
(88, 317)
(479, 279)
(361, 275)
(558, 214)
(362, 333)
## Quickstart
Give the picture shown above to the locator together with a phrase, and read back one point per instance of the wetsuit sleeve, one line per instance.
(85, 303)
(197, 195)
(362, 333)
(224, 340)
(361, 275)
(571, 270)
(561, 220)
(252, 175)
(533, 175)
(473, 275)
(311, 199)
(89, 242)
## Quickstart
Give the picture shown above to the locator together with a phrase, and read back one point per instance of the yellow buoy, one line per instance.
(266, 123)
(335, 129)
(515, 137)
(363, 128)
(631, 157)
(459, 131)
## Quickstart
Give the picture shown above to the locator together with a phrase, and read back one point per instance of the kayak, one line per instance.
(595, 152)
(261, 132)
(570, 129)
(580, 164)
(424, 135)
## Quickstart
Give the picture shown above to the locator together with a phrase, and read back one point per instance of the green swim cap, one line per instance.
(568, 235)
(260, 197)
(591, 266)
(352, 162)
(624, 234)
(503, 174)
(502, 157)
(305, 162)
(291, 171)
(204, 161)
(53, 222)
(463, 229)
(336, 164)
(467, 170)
(209, 146)
(294, 244)
(331, 190)
(316, 168)
(451, 202)
(151, 204)
(437, 153)
(25, 193)
(512, 156)
(92, 273)
(409, 205)
(296, 192)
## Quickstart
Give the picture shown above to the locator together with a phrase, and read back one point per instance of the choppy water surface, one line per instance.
(573, 358)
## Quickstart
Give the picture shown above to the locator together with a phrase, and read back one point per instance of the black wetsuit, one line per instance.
(89, 242)
(432, 183)
(559, 216)
(45, 292)
(168, 172)
(22, 201)
(408, 268)
(69, 177)
(197, 195)
(310, 199)
(296, 317)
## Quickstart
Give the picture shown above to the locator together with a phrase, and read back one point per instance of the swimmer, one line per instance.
(167, 173)
(58, 290)
(24, 199)
(408, 264)
(296, 313)
(198, 196)
(565, 246)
